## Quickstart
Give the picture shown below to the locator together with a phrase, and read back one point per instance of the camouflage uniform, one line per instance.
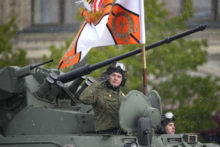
(105, 102)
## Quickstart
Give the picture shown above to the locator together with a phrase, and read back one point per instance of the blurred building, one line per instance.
(45, 22)
(41, 23)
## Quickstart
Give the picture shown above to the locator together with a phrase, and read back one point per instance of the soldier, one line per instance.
(168, 123)
(105, 96)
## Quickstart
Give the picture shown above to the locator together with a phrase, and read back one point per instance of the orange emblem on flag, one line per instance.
(124, 26)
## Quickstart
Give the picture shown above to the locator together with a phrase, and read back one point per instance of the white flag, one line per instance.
(120, 23)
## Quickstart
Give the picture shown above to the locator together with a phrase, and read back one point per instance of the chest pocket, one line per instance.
(111, 102)
(111, 98)
(108, 99)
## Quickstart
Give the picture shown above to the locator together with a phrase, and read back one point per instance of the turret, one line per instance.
(32, 90)
(52, 82)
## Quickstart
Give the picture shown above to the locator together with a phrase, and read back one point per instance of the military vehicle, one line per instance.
(41, 108)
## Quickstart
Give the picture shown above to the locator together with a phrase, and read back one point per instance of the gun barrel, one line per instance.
(89, 68)
(35, 66)
(25, 71)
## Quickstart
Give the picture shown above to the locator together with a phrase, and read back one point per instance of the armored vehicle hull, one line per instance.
(94, 140)
(41, 108)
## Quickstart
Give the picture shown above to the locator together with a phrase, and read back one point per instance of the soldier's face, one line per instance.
(115, 79)
(170, 128)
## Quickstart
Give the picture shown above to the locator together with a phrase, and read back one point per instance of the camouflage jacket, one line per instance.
(105, 102)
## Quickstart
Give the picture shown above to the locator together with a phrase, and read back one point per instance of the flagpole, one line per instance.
(142, 41)
(144, 70)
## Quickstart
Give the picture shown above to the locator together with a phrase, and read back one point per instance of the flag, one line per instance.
(121, 22)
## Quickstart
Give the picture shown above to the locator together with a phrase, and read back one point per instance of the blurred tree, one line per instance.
(8, 56)
(170, 68)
